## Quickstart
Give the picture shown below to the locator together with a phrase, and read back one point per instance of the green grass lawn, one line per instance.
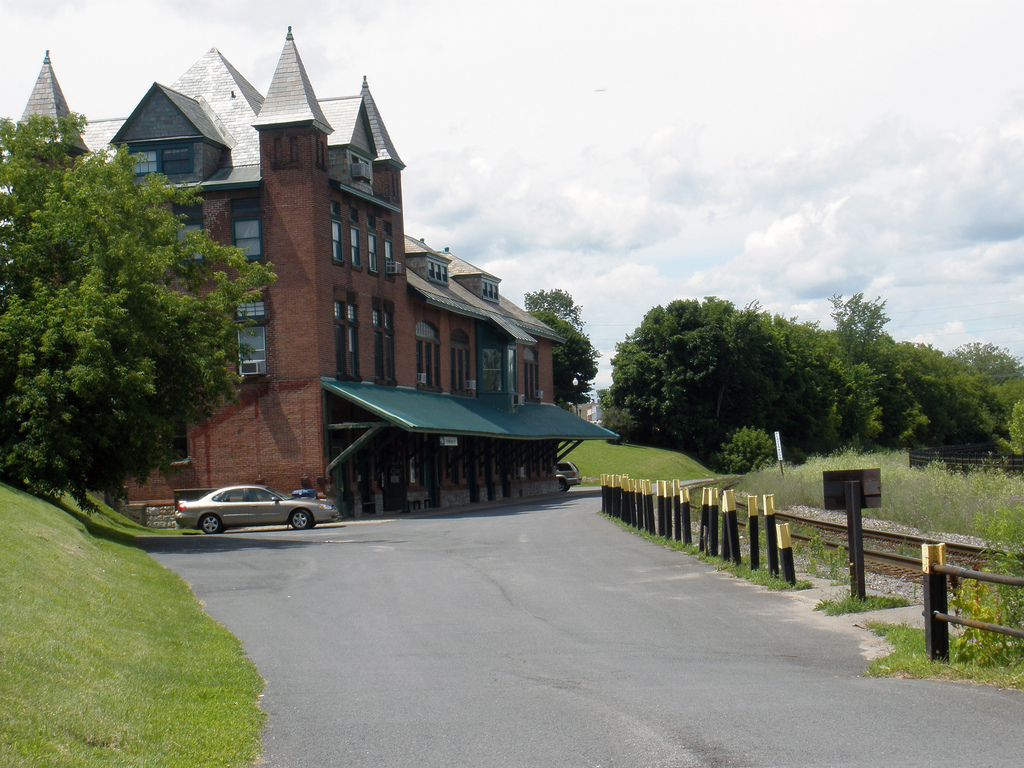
(106, 658)
(597, 457)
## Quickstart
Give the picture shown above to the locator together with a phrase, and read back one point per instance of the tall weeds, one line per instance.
(932, 498)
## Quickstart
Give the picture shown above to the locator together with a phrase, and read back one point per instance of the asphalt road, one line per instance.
(543, 635)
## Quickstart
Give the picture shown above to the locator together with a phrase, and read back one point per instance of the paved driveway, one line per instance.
(544, 635)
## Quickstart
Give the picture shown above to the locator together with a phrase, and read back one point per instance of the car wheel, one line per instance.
(302, 519)
(562, 484)
(210, 524)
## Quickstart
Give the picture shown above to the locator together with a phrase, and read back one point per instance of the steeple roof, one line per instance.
(290, 99)
(48, 99)
(385, 148)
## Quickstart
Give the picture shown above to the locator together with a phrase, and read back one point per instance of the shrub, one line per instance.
(746, 450)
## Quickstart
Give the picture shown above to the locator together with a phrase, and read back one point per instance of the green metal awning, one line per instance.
(439, 413)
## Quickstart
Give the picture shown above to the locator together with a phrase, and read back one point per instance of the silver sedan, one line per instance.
(240, 505)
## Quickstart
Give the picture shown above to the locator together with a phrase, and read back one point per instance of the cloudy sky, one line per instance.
(631, 154)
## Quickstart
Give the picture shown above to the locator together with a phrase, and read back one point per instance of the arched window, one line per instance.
(461, 369)
(428, 355)
(531, 373)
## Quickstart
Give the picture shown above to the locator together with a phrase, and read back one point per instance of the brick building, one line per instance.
(383, 373)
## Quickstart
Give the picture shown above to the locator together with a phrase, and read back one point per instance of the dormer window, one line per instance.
(167, 160)
(437, 271)
(489, 290)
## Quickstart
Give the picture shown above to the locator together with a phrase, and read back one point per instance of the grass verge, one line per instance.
(851, 604)
(106, 658)
(594, 458)
(909, 659)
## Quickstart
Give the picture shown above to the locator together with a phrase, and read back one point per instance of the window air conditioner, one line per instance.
(421, 378)
(254, 367)
(470, 383)
(360, 171)
(520, 399)
(539, 393)
(522, 472)
(393, 267)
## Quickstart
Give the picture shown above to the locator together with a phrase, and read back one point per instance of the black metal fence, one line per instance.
(967, 458)
(936, 601)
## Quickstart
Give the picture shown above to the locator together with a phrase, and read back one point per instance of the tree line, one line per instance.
(714, 380)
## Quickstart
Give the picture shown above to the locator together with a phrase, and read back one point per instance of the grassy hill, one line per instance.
(106, 658)
(597, 457)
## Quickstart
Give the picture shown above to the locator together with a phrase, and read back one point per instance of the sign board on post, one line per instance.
(449, 440)
(834, 484)
(853, 490)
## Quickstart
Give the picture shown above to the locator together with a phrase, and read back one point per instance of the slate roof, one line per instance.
(385, 148)
(290, 99)
(195, 110)
(231, 97)
(515, 321)
(343, 113)
(99, 133)
(47, 98)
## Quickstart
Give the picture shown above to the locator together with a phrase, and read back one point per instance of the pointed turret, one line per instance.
(48, 99)
(385, 148)
(290, 99)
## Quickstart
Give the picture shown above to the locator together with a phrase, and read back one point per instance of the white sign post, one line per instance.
(778, 450)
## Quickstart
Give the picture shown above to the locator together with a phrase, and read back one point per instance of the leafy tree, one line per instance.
(560, 303)
(619, 421)
(746, 450)
(860, 327)
(574, 362)
(112, 329)
(988, 359)
(1016, 430)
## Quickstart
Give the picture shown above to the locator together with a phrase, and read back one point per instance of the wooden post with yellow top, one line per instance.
(684, 515)
(705, 526)
(770, 534)
(786, 554)
(936, 600)
(753, 533)
(713, 522)
(732, 525)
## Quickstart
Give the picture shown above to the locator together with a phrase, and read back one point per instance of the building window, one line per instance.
(353, 215)
(460, 368)
(145, 162)
(167, 160)
(255, 310)
(247, 228)
(490, 369)
(353, 351)
(531, 373)
(336, 242)
(437, 271)
(371, 222)
(176, 160)
(247, 234)
(490, 290)
(371, 251)
(428, 355)
(383, 346)
(191, 217)
(386, 225)
(388, 253)
(252, 350)
(352, 313)
(339, 310)
(354, 244)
